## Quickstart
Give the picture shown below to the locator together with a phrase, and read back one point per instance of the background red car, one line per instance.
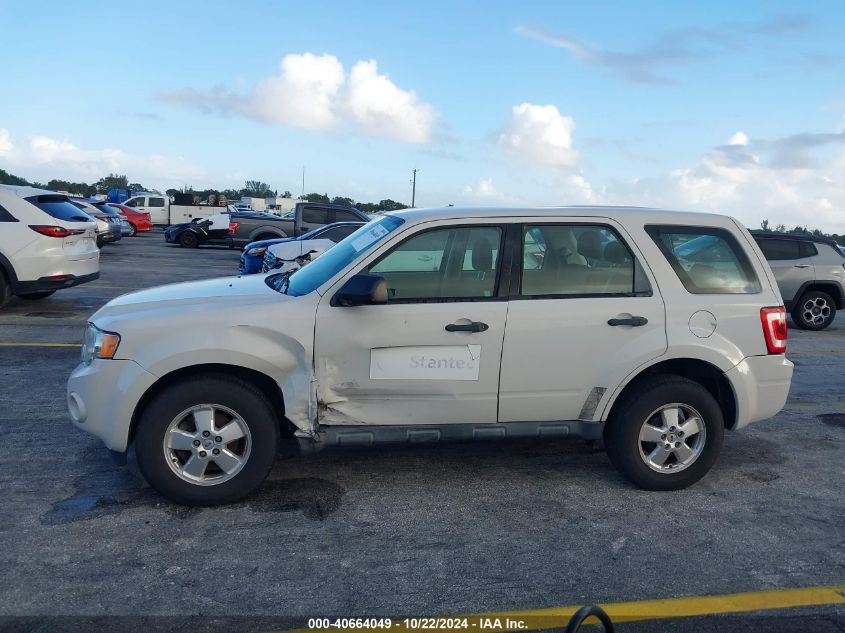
(138, 220)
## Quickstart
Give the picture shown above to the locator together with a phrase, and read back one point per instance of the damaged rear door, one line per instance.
(431, 354)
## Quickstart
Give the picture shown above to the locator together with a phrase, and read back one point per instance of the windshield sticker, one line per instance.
(430, 362)
(369, 237)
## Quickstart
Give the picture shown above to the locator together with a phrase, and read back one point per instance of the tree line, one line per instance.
(251, 189)
(801, 230)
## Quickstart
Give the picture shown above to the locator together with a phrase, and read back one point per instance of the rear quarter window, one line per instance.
(5, 216)
(59, 207)
(707, 260)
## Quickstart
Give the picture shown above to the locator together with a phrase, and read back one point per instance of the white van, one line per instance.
(654, 330)
(46, 243)
(157, 205)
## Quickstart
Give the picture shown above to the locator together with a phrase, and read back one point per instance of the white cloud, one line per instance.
(304, 93)
(381, 108)
(313, 92)
(6, 145)
(483, 189)
(43, 158)
(540, 134)
(739, 138)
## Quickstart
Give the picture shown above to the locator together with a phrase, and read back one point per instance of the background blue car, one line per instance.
(252, 255)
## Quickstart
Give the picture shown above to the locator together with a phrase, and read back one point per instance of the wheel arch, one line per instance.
(262, 381)
(828, 287)
(702, 372)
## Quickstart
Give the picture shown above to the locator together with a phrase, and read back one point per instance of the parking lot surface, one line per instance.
(398, 531)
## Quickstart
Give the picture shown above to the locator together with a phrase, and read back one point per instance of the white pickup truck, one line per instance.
(163, 212)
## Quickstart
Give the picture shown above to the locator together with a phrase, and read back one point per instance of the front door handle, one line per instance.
(635, 321)
(474, 326)
(802, 265)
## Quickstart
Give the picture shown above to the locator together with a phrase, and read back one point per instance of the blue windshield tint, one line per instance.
(338, 257)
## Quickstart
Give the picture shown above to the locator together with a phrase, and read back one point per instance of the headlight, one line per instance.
(256, 251)
(98, 344)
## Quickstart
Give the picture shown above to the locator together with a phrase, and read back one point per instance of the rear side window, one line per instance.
(347, 216)
(59, 207)
(807, 249)
(5, 216)
(775, 249)
(707, 260)
(315, 215)
(135, 202)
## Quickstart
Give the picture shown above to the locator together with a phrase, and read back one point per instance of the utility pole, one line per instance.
(302, 195)
(414, 188)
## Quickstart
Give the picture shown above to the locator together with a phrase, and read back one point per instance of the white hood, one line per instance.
(223, 287)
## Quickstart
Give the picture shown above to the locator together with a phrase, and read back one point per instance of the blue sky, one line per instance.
(733, 107)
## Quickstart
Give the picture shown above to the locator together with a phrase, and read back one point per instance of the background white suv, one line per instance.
(46, 243)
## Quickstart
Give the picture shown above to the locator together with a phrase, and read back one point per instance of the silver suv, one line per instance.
(652, 330)
(810, 272)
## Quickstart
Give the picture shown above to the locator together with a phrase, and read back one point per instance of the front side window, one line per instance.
(156, 202)
(707, 260)
(443, 264)
(315, 215)
(338, 233)
(578, 260)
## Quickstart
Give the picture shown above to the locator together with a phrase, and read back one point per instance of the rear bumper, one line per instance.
(761, 386)
(47, 284)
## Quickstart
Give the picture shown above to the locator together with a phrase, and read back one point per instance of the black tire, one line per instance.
(5, 290)
(132, 230)
(228, 391)
(633, 411)
(815, 310)
(188, 240)
(34, 296)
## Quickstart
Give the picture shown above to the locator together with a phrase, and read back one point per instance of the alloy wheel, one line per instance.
(207, 444)
(672, 438)
(815, 311)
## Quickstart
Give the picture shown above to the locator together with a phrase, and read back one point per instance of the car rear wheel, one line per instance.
(132, 230)
(815, 310)
(207, 440)
(666, 434)
(32, 296)
(188, 240)
(5, 290)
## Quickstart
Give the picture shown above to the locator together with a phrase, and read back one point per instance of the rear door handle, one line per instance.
(474, 326)
(802, 265)
(635, 321)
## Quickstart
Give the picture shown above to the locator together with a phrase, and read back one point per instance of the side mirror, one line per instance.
(361, 290)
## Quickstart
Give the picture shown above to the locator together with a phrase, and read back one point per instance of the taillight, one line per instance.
(774, 328)
(55, 231)
(233, 226)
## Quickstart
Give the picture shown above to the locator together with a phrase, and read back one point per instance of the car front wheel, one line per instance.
(814, 311)
(207, 440)
(666, 434)
(188, 240)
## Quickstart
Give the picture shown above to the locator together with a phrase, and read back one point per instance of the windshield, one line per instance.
(338, 257)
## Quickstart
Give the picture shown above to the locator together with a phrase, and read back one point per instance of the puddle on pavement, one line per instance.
(111, 491)
(833, 419)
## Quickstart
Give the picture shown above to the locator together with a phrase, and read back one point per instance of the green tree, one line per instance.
(112, 181)
(10, 179)
(256, 189)
(287, 194)
(318, 197)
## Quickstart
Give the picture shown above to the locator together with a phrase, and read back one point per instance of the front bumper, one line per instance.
(761, 386)
(102, 397)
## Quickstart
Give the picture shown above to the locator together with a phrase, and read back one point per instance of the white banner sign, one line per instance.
(430, 362)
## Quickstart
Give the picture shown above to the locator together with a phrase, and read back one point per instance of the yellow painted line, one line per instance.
(40, 344)
(638, 610)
